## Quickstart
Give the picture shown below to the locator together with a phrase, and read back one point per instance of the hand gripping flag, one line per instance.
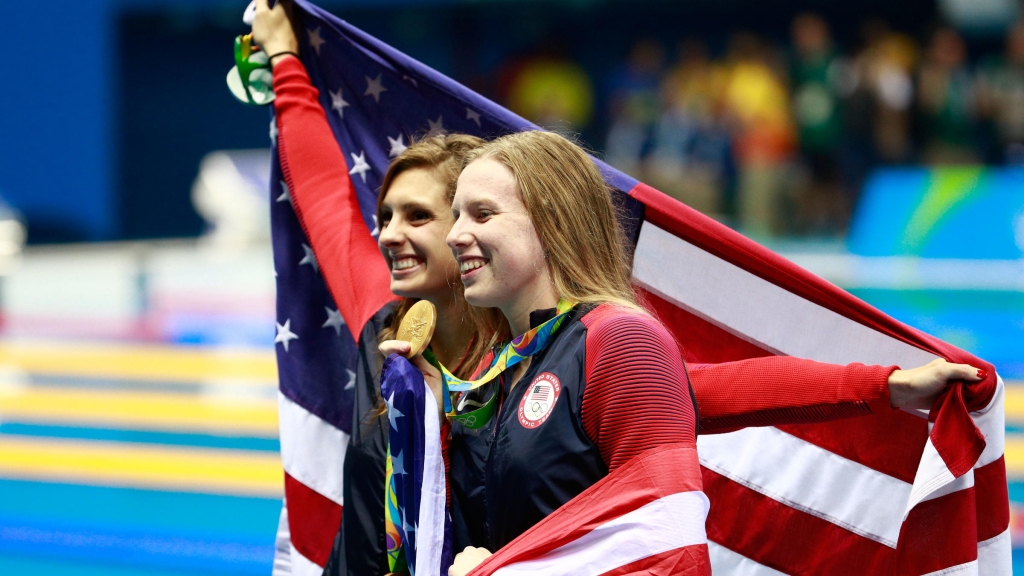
(906, 492)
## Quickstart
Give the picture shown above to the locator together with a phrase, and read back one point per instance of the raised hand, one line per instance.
(272, 28)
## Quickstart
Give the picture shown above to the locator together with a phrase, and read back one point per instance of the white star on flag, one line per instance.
(376, 227)
(315, 40)
(435, 125)
(409, 528)
(351, 379)
(285, 196)
(397, 145)
(285, 334)
(393, 413)
(309, 258)
(473, 115)
(273, 131)
(398, 465)
(361, 166)
(374, 87)
(334, 320)
(338, 103)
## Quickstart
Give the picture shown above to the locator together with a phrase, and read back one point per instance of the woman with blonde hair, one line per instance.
(536, 236)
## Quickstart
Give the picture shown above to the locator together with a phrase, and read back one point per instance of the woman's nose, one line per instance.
(389, 234)
(456, 236)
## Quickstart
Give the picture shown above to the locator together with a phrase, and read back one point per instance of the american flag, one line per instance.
(905, 492)
(418, 469)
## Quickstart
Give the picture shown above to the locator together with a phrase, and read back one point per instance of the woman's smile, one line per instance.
(470, 266)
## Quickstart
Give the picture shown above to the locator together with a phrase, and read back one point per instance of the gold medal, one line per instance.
(417, 327)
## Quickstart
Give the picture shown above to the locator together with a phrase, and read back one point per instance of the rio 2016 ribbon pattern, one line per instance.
(519, 349)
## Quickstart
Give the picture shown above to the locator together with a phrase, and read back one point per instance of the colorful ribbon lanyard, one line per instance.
(519, 349)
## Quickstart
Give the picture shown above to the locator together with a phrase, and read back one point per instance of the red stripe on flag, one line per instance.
(993, 500)
(890, 442)
(685, 561)
(937, 534)
(312, 519)
(785, 538)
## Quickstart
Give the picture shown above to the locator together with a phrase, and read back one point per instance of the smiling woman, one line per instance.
(414, 216)
(414, 213)
(537, 237)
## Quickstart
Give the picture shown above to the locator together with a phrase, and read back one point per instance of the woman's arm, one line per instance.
(318, 181)
(636, 397)
(784, 390)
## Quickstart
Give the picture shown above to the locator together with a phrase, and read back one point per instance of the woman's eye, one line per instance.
(484, 214)
(420, 216)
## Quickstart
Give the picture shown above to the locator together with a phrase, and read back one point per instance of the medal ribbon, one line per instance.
(519, 349)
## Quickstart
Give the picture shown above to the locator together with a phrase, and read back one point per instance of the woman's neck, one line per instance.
(452, 333)
(518, 312)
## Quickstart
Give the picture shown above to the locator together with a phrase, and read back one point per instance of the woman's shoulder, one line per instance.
(612, 322)
(617, 314)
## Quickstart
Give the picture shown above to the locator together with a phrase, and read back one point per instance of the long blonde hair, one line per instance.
(571, 208)
(444, 155)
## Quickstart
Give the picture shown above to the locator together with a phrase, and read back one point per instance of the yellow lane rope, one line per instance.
(138, 410)
(211, 471)
(142, 362)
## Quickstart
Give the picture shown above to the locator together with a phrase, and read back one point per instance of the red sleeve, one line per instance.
(636, 397)
(785, 390)
(316, 172)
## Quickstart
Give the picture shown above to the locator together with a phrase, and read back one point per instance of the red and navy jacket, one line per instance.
(563, 426)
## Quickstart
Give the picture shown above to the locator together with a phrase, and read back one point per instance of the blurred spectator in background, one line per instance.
(553, 92)
(633, 105)
(785, 145)
(818, 79)
(1001, 96)
(946, 100)
(691, 156)
(757, 107)
(885, 71)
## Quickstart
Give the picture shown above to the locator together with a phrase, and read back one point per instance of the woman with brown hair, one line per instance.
(414, 215)
(536, 236)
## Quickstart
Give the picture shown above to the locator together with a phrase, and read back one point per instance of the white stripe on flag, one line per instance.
(282, 545)
(757, 310)
(725, 561)
(430, 532)
(962, 483)
(302, 566)
(809, 478)
(672, 522)
(995, 556)
(932, 474)
(312, 451)
(992, 423)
